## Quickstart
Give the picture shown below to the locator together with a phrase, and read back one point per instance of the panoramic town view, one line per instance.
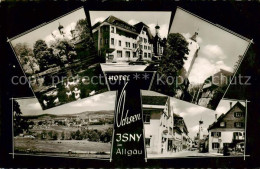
(175, 128)
(60, 60)
(79, 129)
(129, 40)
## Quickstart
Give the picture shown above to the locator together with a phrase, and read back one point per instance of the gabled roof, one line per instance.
(216, 124)
(120, 23)
(154, 100)
(139, 26)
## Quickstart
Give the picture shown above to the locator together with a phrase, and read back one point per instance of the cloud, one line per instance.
(221, 110)
(133, 22)
(213, 51)
(204, 68)
(99, 19)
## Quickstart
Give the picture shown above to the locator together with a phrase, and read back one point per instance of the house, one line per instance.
(211, 84)
(164, 130)
(228, 130)
(180, 132)
(117, 41)
(158, 124)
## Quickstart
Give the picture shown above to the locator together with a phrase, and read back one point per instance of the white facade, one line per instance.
(217, 142)
(125, 48)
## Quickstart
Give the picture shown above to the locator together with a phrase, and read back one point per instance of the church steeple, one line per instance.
(157, 27)
(194, 36)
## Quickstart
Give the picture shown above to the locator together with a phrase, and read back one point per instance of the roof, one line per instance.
(120, 23)
(216, 124)
(154, 100)
(137, 28)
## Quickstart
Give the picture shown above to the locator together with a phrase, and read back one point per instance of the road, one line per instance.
(184, 153)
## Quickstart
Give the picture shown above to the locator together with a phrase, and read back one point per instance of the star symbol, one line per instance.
(136, 76)
(145, 76)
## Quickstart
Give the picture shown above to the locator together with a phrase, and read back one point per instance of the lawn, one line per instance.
(80, 148)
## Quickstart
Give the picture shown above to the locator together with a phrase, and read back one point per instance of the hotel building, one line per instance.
(117, 41)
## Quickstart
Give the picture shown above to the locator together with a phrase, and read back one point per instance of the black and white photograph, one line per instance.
(199, 61)
(81, 129)
(175, 128)
(129, 40)
(60, 60)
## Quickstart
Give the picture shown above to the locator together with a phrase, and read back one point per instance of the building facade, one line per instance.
(228, 130)
(165, 131)
(119, 42)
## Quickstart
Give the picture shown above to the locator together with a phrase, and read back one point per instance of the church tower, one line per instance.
(193, 53)
(200, 130)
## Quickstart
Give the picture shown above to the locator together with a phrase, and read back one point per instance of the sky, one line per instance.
(218, 48)
(106, 101)
(133, 17)
(68, 22)
(103, 101)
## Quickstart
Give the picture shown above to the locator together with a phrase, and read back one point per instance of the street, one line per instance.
(184, 153)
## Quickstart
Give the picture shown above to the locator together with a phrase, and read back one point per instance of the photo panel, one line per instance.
(60, 61)
(81, 129)
(178, 129)
(200, 59)
(129, 40)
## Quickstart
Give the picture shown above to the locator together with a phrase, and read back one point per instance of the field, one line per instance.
(68, 148)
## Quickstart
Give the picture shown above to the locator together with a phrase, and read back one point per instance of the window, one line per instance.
(147, 142)
(134, 54)
(119, 43)
(145, 54)
(145, 40)
(127, 44)
(149, 47)
(141, 39)
(119, 53)
(216, 134)
(112, 41)
(112, 29)
(226, 144)
(238, 114)
(141, 46)
(127, 54)
(145, 47)
(134, 45)
(146, 117)
(149, 55)
(239, 124)
(222, 124)
(215, 145)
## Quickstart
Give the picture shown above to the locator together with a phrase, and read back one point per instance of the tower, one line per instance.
(200, 130)
(194, 49)
(61, 29)
(157, 27)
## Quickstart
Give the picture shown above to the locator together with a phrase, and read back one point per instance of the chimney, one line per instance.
(216, 117)
(230, 105)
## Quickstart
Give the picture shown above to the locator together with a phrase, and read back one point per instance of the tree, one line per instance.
(84, 40)
(64, 49)
(172, 61)
(43, 54)
(20, 124)
(25, 55)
